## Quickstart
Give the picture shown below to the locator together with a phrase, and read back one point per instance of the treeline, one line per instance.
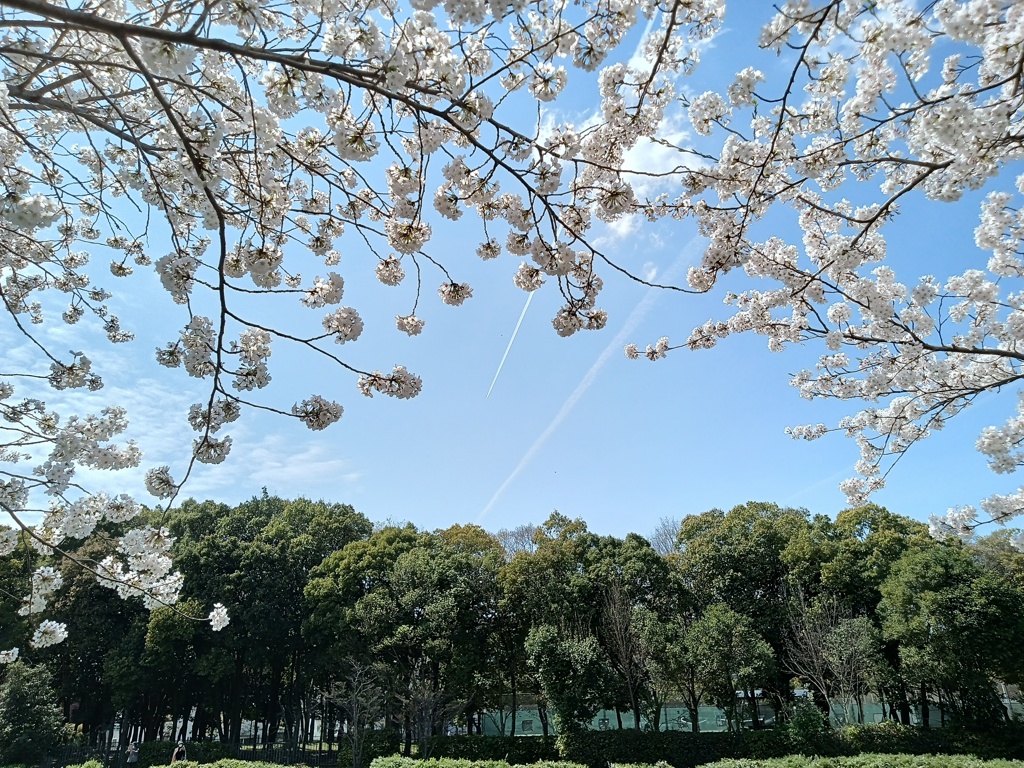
(337, 625)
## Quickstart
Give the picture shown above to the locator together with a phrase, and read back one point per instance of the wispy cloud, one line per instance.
(265, 451)
(615, 346)
(279, 462)
(637, 60)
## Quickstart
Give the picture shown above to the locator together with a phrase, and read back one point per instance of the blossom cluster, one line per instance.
(885, 101)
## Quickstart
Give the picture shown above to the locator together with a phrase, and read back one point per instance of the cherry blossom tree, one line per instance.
(883, 102)
(253, 136)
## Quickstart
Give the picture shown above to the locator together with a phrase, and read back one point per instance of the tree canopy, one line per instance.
(371, 631)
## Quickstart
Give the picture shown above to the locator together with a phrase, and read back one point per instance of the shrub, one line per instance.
(680, 749)
(1005, 742)
(519, 750)
(396, 761)
(868, 761)
(153, 753)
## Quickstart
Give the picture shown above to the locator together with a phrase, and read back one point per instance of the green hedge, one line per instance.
(223, 763)
(396, 761)
(153, 753)
(521, 750)
(681, 749)
(158, 753)
(678, 748)
(869, 761)
(1006, 742)
(792, 761)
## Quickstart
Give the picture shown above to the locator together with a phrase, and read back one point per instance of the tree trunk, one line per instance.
(925, 712)
(235, 701)
(515, 704)
(407, 751)
(904, 710)
(273, 706)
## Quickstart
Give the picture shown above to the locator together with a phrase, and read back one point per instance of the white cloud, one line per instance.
(620, 229)
(279, 462)
(652, 164)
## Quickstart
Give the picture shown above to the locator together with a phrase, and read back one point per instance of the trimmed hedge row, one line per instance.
(1006, 742)
(675, 749)
(869, 761)
(521, 750)
(792, 761)
(396, 761)
(159, 752)
(224, 763)
(681, 749)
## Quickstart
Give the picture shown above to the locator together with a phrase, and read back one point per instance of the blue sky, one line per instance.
(570, 424)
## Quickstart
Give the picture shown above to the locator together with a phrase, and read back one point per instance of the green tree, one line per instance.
(958, 630)
(98, 618)
(635, 596)
(550, 584)
(257, 558)
(728, 655)
(15, 582)
(573, 672)
(30, 723)
(851, 557)
(738, 558)
(361, 695)
(845, 562)
(423, 603)
(836, 655)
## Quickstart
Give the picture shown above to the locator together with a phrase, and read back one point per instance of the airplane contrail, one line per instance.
(649, 299)
(529, 298)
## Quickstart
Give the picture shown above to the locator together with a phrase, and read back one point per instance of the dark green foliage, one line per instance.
(159, 752)
(397, 761)
(30, 723)
(219, 763)
(375, 744)
(1004, 742)
(809, 731)
(516, 751)
(573, 673)
(681, 749)
(868, 761)
(454, 630)
(791, 761)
